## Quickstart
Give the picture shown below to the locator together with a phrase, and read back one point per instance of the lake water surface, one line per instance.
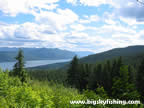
(9, 65)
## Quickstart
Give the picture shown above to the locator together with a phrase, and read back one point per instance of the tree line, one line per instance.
(120, 81)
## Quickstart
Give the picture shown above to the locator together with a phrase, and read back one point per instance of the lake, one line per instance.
(9, 65)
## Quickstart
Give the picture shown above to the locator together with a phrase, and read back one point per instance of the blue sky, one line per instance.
(76, 25)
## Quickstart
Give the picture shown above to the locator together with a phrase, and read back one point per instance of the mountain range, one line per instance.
(130, 55)
(9, 54)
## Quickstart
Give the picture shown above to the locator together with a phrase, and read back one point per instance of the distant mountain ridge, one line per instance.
(130, 55)
(8, 54)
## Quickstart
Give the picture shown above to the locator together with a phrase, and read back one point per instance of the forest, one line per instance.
(112, 79)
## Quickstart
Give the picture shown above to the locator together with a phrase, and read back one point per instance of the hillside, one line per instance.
(127, 53)
(131, 55)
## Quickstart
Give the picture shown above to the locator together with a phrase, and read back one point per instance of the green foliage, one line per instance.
(132, 74)
(14, 94)
(62, 97)
(107, 83)
(73, 72)
(101, 92)
(140, 79)
(44, 94)
(57, 75)
(81, 76)
(19, 67)
(95, 77)
(92, 96)
(121, 88)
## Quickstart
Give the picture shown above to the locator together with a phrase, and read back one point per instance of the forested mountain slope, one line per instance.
(131, 55)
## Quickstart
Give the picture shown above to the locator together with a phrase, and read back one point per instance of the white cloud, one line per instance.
(79, 35)
(32, 35)
(90, 2)
(129, 9)
(72, 1)
(130, 21)
(93, 2)
(78, 27)
(7, 31)
(118, 29)
(41, 35)
(58, 20)
(108, 37)
(13, 7)
(83, 21)
(89, 19)
(110, 21)
(63, 28)
(94, 18)
(126, 8)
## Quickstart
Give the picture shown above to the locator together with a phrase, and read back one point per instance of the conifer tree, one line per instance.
(19, 67)
(140, 79)
(72, 72)
(106, 77)
(119, 65)
(82, 77)
(131, 73)
(121, 88)
(115, 71)
(99, 74)
(116, 67)
(108, 64)
(96, 77)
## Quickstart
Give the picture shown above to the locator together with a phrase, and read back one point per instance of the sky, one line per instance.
(75, 25)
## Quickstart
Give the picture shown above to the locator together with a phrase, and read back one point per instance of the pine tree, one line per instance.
(140, 79)
(72, 72)
(19, 67)
(131, 73)
(119, 65)
(96, 77)
(116, 67)
(106, 76)
(82, 77)
(115, 71)
(121, 88)
(99, 74)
